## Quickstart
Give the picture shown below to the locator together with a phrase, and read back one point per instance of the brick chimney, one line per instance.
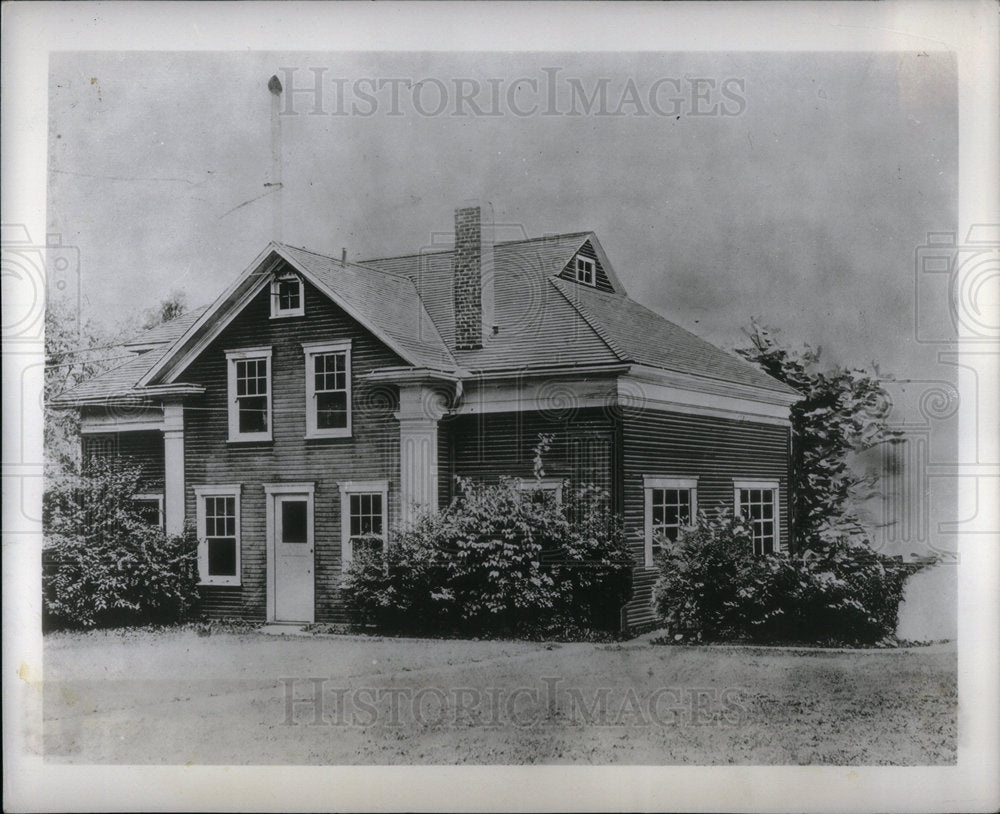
(472, 275)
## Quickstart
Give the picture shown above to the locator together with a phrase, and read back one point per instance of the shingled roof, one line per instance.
(541, 320)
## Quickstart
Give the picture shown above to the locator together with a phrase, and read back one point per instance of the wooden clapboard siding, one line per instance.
(601, 281)
(714, 450)
(372, 452)
(144, 447)
(488, 446)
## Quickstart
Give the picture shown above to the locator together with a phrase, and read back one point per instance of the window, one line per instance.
(543, 488)
(150, 508)
(670, 505)
(363, 519)
(218, 511)
(584, 270)
(757, 501)
(287, 298)
(328, 389)
(249, 394)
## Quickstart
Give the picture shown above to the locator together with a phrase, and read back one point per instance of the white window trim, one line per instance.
(243, 354)
(593, 270)
(544, 485)
(651, 482)
(216, 490)
(776, 502)
(353, 487)
(278, 313)
(158, 497)
(311, 350)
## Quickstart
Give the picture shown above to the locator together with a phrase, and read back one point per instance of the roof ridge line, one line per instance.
(601, 332)
(540, 238)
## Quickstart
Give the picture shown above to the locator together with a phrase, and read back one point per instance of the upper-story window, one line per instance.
(287, 296)
(328, 389)
(585, 270)
(249, 394)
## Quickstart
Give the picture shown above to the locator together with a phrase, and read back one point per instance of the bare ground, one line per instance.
(174, 697)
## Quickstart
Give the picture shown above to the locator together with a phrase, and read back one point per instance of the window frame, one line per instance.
(201, 492)
(158, 497)
(652, 482)
(360, 487)
(244, 355)
(311, 351)
(762, 484)
(589, 269)
(277, 312)
(543, 485)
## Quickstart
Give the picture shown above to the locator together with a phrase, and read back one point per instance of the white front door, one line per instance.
(294, 581)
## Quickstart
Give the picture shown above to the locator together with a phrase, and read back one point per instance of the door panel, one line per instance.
(294, 583)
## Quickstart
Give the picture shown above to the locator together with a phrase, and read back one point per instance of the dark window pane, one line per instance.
(288, 294)
(331, 411)
(148, 511)
(293, 521)
(222, 558)
(366, 544)
(253, 414)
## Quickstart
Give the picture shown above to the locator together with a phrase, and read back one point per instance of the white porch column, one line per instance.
(420, 407)
(173, 467)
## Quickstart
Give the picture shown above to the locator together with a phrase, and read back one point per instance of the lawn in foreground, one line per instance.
(175, 697)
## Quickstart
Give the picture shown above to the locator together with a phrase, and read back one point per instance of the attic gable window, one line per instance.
(585, 270)
(249, 394)
(287, 297)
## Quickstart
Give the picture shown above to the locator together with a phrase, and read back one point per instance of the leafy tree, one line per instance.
(75, 350)
(843, 411)
(169, 308)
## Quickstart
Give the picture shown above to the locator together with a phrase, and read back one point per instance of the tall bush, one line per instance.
(103, 564)
(499, 560)
(712, 587)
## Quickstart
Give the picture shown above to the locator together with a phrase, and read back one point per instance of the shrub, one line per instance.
(711, 587)
(103, 565)
(499, 560)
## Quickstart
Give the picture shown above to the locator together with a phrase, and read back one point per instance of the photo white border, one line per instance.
(32, 30)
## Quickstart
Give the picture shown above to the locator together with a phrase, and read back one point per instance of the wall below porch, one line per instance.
(488, 446)
(715, 451)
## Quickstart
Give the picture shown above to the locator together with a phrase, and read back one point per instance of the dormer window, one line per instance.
(287, 299)
(585, 270)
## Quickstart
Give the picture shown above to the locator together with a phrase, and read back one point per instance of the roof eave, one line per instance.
(707, 384)
(68, 401)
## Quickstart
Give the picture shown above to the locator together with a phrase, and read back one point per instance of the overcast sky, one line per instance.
(792, 187)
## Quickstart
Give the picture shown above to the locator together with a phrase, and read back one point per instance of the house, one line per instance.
(317, 400)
